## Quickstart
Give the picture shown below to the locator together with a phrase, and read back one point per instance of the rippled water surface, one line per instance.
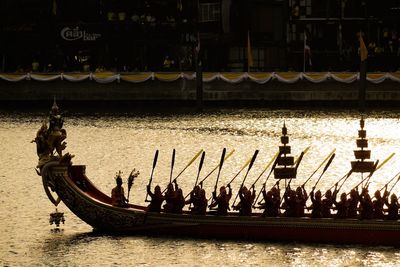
(107, 143)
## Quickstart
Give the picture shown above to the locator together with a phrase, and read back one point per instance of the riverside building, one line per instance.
(142, 35)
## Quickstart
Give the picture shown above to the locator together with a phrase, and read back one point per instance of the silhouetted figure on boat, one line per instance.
(272, 201)
(222, 200)
(290, 202)
(378, 204)
(179, 201)
(194, 199)
(393, 208)
(366, 206)
(341, 206)
(169, 197)
(353, 203)
(117, 194)
(157, 199)
(276, 192)
(202, 205)
(316, 207)
(301, 199)
(246, 201)
(242, 190)
(327, 204)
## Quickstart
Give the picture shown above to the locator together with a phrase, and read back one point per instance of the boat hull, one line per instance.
(93, 207)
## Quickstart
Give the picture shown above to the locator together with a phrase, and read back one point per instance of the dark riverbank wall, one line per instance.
(183, 92)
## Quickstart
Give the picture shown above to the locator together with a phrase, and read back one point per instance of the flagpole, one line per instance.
(199, 67)
(249, 53)
(363, 75)
(304, 52)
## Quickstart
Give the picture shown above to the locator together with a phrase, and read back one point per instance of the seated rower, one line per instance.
(353, 203)
(290, 202)
(117, 194)
(169, 197)
(327, 205)
(156, 199)
(222, 200)
(272, 201)
(316, 207)
(242, 190)
(246, 201)
(378, 203)
(202, 204)
(393, 208)
(341, 206)
(366, 206)
(194, 199)
(300, 201)
(179, 201)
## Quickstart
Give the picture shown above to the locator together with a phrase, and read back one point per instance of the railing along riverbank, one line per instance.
(284, 89)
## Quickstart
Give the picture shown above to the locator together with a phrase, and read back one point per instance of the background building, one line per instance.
(155, 35)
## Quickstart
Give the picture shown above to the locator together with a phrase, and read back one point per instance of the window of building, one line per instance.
(210, 12)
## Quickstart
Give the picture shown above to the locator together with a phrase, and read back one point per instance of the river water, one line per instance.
(108, 142)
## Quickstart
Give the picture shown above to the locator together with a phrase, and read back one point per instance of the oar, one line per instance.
(344, 178)
(219, 170)
(394, 177)
(172, 165)
(198, 173)
(297, 163)
(200, 166)
(266, 179)
(212, 171)
(216, 167)
(266, 168)
(375, 165)
(152, 171)
(324, 170)
(322, 163)
(245, 177)
(301, 156)
(398, 179)
(189, 163)
(384, 162)
(376, 168)
(237, 174)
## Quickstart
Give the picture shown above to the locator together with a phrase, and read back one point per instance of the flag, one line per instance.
(249, 51)
(363, 49)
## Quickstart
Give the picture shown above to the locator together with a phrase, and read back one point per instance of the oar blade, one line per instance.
(202, 160)
(253, 159)
(220, 167)
(385, 161)
(216, 167)
(329, 162)
(266, 167)
(301, 155)
(172, 164)
(189, 163)
(155, 159)
(221, 162)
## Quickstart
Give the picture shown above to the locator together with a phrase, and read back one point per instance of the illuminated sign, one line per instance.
(74, 34)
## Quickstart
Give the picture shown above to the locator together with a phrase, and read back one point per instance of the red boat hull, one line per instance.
(93, 207)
